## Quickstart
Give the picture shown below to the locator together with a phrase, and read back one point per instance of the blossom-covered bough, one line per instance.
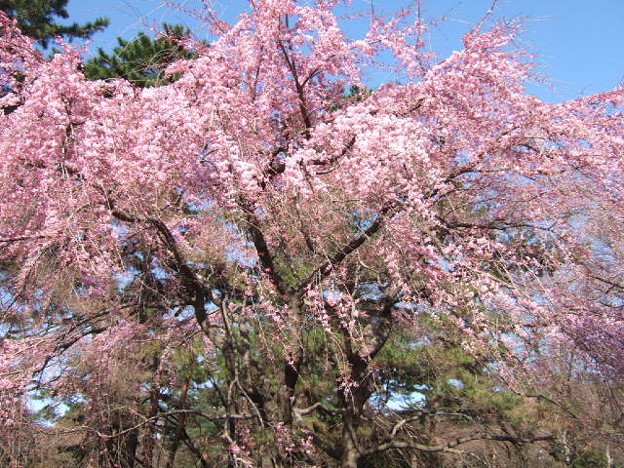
(219, 263)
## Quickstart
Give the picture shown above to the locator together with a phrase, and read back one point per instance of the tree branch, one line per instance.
(202, 414)
(191, 281)
(398, 444)
(8, 240)
(262, 249)
(300, 91)
(299, 412)
(388, 211)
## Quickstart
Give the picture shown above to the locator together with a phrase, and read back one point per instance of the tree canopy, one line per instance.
(251, 266)
(141, 61)
(38, 19)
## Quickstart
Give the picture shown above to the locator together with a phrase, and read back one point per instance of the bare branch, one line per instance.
(210, 417)
(299, 412)
(398, 444)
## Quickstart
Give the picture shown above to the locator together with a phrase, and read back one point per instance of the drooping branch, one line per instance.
(65, 345)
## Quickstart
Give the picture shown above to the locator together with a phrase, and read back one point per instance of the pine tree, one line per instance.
(142, 60)
(38, 19)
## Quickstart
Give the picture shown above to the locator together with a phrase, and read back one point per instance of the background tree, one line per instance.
(38, 19)
(248, 266)
(142, 60)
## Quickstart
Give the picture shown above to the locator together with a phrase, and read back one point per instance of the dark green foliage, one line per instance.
(141, 61)
(590, 459)
(38, 19)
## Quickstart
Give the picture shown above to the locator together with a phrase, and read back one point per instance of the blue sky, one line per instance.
(580, 44)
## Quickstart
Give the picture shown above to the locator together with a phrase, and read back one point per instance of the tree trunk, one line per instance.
(180, 428)
(149, 438)
(350, 452)
(121, 450)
